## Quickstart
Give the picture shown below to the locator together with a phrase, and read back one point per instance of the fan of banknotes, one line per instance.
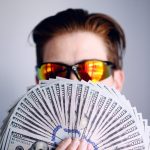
(59, 108)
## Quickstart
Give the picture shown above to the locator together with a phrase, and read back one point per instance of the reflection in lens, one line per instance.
(94, 70)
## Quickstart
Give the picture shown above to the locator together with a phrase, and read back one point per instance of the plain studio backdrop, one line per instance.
(17, 52)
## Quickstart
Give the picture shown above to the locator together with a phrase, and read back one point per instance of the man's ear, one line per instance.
(118, 79)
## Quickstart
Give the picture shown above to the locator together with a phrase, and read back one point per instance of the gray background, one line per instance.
(17, 55)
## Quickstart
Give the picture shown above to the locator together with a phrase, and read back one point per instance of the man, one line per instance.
(77, 45)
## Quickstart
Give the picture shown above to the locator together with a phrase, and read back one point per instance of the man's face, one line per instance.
(71, 48)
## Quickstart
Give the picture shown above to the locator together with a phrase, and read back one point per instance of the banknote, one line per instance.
(56, 109)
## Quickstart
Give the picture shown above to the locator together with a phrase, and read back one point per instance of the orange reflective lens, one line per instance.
(51, 70)
(94, 70)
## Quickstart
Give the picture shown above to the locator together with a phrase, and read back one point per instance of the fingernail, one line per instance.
(90, 147)
(83, 141)
(76, 141)
(66, 140)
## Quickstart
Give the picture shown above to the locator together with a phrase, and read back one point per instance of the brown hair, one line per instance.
(72, 20)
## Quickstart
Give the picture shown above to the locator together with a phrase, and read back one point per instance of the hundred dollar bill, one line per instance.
(24, 140)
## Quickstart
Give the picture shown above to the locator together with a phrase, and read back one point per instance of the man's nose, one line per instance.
(73, 76)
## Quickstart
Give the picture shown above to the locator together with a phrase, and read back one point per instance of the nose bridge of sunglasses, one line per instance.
(75, 71)
(74, 67)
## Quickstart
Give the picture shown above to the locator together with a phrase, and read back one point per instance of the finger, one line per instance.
(64, 144)
(90, 147)
(74, 144)
(83, 145)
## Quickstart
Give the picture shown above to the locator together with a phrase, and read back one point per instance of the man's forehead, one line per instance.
(76, 46)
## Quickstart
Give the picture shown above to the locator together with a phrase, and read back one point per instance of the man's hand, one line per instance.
(75, 144)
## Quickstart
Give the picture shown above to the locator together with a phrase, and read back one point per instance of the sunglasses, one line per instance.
(94, 70)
